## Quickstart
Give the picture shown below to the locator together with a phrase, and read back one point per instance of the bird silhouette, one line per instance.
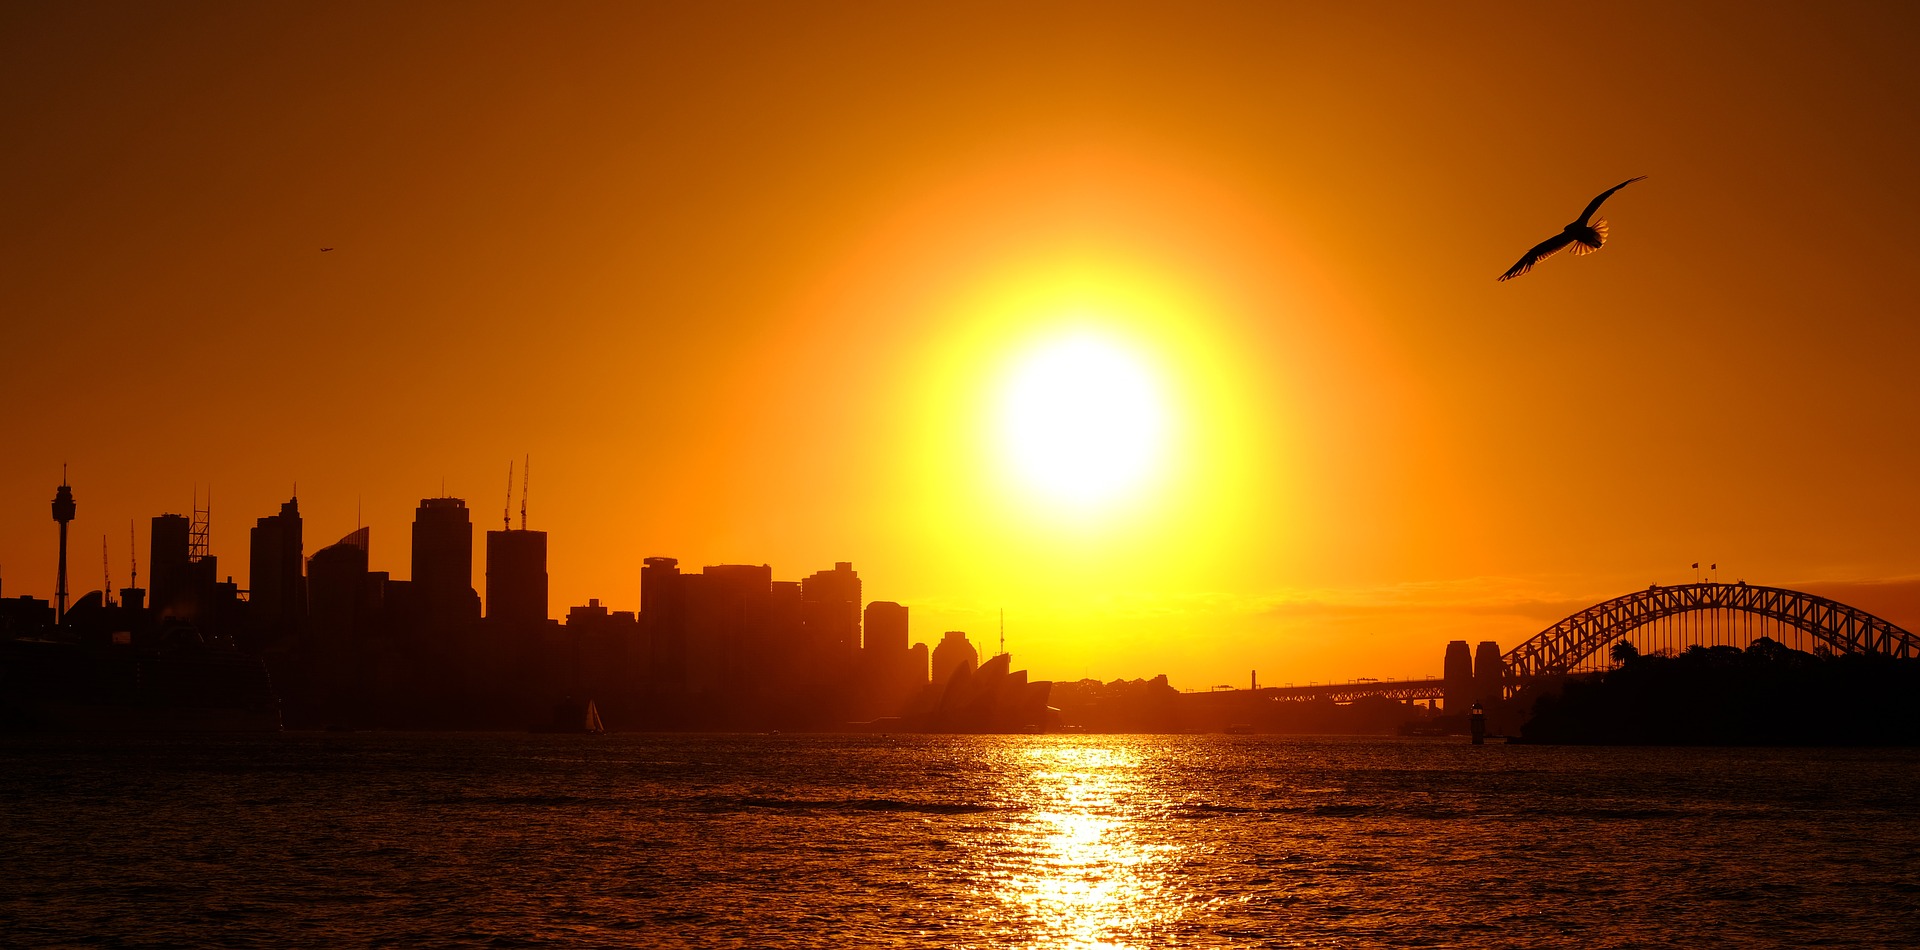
(325, 249)
(1584, 238)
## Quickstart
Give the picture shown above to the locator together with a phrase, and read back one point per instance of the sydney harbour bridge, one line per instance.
(1661, 618)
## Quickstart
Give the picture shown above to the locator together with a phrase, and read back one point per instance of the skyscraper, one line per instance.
(1457, 677)
(342, 619)
(1488, 671)
(955, 652)
(891, 671)
(339, 591)
(443, 564)
(663, 622)
(277, 600)
(723, 603)
(517, 577)
(831, 611)
(168, 565)
(886, 629)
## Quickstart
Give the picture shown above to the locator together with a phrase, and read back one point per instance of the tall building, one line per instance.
(886, 629)
(169, 567)
(1488, 671)
(830, 604)
(955, 652)
(723, 641)
(663, 610)
(277, 598)
(339, 589)
(342, 620)
(891, 671)
(517, 577)
(1457, 677)
(919, 665)
(443, 564)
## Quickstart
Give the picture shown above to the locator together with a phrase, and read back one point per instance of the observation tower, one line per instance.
(63, 509)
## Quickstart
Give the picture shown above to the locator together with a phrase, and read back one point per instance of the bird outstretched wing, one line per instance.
(1540, 252)
(1594, 205)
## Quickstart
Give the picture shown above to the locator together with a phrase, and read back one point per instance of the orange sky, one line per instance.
(748, 283)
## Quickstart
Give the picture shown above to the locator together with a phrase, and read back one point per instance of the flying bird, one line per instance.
(325, 249)
(1584, 238)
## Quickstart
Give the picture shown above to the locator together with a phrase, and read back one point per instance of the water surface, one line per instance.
(912, 841)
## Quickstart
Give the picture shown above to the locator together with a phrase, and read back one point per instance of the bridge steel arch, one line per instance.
(1558, 649)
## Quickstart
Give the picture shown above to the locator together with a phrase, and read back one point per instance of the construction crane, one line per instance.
(133, 555)
(106, 573)
(525, 470)
(506, 514)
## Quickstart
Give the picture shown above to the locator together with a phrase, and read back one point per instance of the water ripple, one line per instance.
(1084, 841)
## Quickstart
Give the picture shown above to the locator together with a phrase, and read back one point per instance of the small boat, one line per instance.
(574, 717)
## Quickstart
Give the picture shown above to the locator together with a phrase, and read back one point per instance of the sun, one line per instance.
(1082, 419)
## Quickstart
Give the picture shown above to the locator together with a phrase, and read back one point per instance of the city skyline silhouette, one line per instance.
(332, 640)
(1116, 344)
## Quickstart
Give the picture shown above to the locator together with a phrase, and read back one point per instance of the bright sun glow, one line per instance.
(1082, 419)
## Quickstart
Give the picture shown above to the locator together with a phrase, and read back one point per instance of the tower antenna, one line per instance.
(106, 574)
(63, 512)
(200, 530)
(1003, 630)
(525, 470)
(506, 514)
(133, 555)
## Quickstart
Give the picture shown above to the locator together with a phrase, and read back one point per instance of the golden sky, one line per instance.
(792, 283)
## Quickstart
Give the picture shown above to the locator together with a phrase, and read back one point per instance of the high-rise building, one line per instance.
(955, 652)
(658, 586)
(1457, 677)
(1488, 671)
(918, 665)
(443, 564)
(517, 577)
(891, 671)
(663, 611)
(169, 566)
(723, 641)
(277, 598)
(339, 589)
(886, 629)
(342, 620)
(831, 611)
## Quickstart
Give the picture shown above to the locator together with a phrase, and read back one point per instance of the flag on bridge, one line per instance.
(1713, 567)
(1696, 565)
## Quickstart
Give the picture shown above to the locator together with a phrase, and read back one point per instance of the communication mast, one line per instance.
(106, 574)
(133, 555)
(506, 514)
(200, 534)
(525, 470)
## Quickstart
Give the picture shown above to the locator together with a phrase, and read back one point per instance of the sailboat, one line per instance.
(574, 717)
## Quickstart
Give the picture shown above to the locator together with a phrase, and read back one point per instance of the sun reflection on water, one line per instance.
(1072, 867)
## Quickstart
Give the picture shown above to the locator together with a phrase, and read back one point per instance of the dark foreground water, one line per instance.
(1040, 841)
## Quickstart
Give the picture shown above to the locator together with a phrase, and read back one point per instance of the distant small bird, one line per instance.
(325, 249)
(1583, 237)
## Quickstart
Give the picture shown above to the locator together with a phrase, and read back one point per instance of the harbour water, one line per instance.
(405, 840)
